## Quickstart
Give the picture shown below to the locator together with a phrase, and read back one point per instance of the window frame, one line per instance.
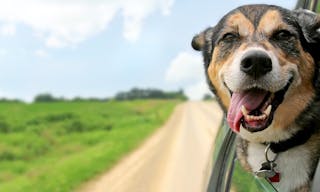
(224, 162)
(222, 170)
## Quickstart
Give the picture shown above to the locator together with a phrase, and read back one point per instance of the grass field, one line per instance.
(57, 146)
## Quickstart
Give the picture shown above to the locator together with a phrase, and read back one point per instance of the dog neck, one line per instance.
(299, 138)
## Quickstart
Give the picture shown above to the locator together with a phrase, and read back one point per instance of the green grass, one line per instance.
(244, 181)
(58, 146)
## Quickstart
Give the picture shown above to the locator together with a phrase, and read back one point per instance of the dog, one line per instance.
(262, 62)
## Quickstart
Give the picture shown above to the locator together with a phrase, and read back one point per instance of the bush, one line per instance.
(59, 117)
(52, 118)
(4, 126)
(108, 127)
(7, 156)
(74, 126)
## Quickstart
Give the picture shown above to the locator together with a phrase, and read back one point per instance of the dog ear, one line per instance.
(199, 41)
(310, 25)
(205, 42)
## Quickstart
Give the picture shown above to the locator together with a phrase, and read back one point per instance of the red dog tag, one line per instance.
(275, 178)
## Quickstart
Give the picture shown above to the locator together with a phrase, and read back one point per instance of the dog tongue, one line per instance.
(251, 99)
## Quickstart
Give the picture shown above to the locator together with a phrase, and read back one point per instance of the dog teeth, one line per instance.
(268, 110)
(255, 118)
(244, 110)
(261, 117)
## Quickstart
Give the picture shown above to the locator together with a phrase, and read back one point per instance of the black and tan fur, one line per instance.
(293, 39)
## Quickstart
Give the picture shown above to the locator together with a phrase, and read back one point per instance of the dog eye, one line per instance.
(282, 35)
(230, 37)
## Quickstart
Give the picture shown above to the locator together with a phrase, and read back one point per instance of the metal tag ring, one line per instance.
(266, 154)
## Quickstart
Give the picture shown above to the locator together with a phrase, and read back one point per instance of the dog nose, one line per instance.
(256, 64)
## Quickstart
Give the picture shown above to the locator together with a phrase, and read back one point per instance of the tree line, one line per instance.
(47, 97)
(134, 93)
(137, 93)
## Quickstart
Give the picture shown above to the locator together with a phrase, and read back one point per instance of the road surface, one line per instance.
(174, 159)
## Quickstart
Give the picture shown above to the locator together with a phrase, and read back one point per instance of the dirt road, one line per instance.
(176, 158)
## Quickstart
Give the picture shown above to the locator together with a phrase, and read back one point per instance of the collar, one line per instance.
(299, 138)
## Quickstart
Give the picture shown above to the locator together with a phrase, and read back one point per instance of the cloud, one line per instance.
(8, 30)
(3, 52)
(197, 90)
(135, 11)
(187, 70)
(185, 67)
(66, 23)
(41, 53)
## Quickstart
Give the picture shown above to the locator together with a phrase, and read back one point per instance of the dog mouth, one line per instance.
(254, 108)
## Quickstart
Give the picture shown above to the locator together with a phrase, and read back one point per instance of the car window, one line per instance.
(312, 5)
(243, 181)
(316, 181)
(227, 173)
(222, 133)
(223, 157)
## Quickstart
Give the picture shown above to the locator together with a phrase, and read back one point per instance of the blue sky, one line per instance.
(97, 48)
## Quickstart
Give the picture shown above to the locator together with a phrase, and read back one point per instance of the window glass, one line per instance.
(228, 172)
(243, 181)
(223, 130)
(312, 5)
(223, 159)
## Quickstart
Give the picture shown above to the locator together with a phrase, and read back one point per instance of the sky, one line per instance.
(96, 48)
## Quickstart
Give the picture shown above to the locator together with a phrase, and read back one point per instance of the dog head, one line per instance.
(261, 62)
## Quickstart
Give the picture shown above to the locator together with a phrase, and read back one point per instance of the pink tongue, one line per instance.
(250, 99)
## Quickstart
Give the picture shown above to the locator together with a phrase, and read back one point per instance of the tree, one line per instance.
(137, 93)
(207, 97)
(44, 97)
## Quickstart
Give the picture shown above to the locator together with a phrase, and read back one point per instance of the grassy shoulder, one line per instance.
(58, 146)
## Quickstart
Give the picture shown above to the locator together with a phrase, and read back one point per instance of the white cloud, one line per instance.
(187, 70)
(197, 90)
(54, 41)
(185, 67)
(166, 6)
(135, 11)
(8, 30)
(41, 53)
(3, 52)
(66, 23)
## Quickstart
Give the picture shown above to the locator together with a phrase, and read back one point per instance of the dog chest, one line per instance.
(293, 165)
